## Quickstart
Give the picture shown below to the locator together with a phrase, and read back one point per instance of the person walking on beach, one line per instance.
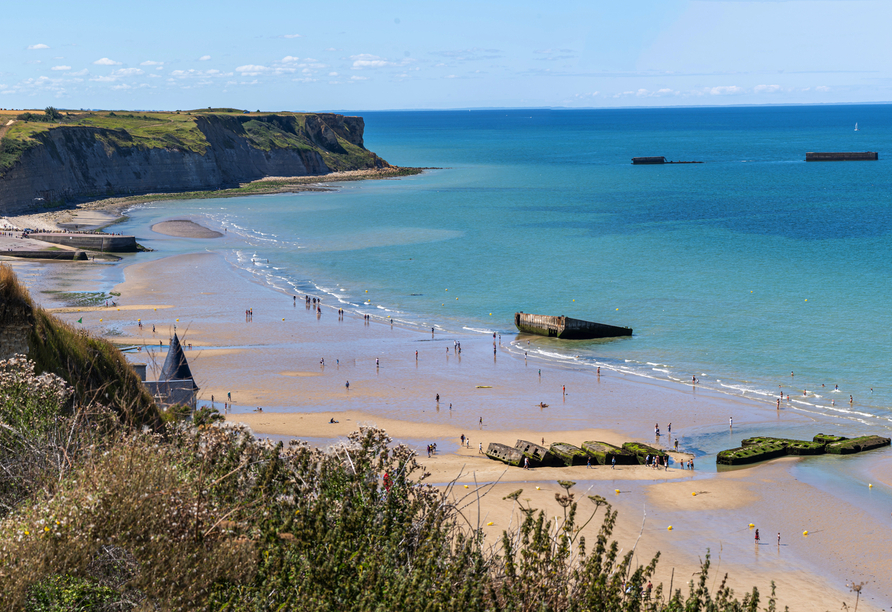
(438, 398)
(669, 429)
(526, 463)
(348, 385)
(481, 420)
(588, 463)
(778, 538)
(480, 449)
(757, 536)
(676, 445)
(462, 438)
(730, 422)
(613, 462)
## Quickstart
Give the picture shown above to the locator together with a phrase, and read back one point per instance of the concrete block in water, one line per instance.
(857, 445)
(751, 454)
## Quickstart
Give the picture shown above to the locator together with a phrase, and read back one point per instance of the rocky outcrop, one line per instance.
(72, 162)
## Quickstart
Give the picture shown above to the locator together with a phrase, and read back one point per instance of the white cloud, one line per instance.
(332, 74)
(364, 60)
(289, 58)
(38, 46)
(122, 72)
(725, 90)
(359, 78)
(251, 69)
(104, 79)
(291, 36)
(204, 58)
(106, 62)
(151, 63)
(822, 88)
(767, 88)
(79, 72)
(61, 68)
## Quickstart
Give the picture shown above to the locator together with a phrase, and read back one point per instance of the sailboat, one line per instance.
(856, 127)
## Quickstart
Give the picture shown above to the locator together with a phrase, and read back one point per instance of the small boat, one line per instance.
(856, 127)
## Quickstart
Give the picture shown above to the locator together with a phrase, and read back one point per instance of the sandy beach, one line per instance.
(293, 363)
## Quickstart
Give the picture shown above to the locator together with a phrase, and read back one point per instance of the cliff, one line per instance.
(91, 155)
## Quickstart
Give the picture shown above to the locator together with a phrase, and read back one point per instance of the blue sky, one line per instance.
(278, 55)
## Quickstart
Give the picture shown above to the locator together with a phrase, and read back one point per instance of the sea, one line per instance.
(753, 271)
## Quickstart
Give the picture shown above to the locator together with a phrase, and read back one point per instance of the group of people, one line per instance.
(431, 449)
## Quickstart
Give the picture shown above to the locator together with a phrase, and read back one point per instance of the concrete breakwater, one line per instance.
(90, 242)
(566, 328)
(56, 255)
(851, 156)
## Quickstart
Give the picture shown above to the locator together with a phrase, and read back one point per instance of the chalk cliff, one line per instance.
(207, 151)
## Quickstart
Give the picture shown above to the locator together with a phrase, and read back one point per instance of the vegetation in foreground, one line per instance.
(102, 511)
(204, 516)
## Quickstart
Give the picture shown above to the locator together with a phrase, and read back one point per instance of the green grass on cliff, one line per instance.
(178, 130)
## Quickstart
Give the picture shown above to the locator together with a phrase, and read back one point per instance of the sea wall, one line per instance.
(79, 162)
(91, 242)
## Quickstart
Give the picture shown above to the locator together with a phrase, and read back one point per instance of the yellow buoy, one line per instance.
(617, 491)
(805, 533)
(870, 486)
(694, 493)
(138, 320)
(574, 300)
(751, 525)
(490, 314)
(466, 486)
(366, 290)
(489, 523)
(119, 310)
(283, 319)
(617, 308)
(100, 320)
(537, 488)
(669, 527)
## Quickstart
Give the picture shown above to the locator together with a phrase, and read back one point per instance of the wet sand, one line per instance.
(274, 361)
(184, 228)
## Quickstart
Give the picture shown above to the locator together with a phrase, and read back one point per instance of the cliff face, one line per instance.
(79, 161)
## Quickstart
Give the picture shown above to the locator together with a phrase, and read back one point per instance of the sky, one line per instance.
(277, 55)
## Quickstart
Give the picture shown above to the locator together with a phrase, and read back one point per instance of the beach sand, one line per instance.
(184, 228)
(274, 361)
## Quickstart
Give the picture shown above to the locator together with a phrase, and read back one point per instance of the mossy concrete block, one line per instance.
(857, 445)
(641, 451)
(568, 454)
(604, 453)
(751, 454)
(827, 439)
(799, 448)
(505, 454)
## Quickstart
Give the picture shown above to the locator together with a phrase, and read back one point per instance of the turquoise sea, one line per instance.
(738, 271)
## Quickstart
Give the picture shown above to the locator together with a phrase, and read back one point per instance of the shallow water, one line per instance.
(739, 270)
